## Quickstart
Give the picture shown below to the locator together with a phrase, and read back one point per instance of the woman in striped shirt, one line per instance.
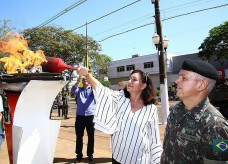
(130, 116)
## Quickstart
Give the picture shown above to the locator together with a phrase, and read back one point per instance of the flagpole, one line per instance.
(86, 56)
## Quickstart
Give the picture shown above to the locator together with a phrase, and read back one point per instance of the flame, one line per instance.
(20, 56)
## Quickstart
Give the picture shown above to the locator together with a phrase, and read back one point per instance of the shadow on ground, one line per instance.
(67, 126)
(84, 160)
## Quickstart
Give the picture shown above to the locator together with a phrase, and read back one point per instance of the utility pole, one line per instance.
(86, 55)
(162, 65)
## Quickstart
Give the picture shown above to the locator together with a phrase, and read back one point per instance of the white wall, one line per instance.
(139, 64)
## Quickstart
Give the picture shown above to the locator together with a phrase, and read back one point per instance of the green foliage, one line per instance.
(2, 69)
(4, 29)
(157, 92)
(215, 46)
(64, 44)
(106, 58)
(104, 83)
(56, 42)
(99, 64)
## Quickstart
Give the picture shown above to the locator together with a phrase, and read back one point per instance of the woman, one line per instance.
(130, 116)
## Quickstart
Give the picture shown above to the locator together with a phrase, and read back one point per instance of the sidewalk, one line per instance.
(65, 148)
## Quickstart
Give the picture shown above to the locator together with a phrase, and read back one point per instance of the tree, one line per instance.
(105, 83)
(4, 29)
(2, 69)
(56, 42)
(216, 45)
(99, 64)
(64, 44)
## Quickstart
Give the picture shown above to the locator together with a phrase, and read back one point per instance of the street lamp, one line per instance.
(156, 41)
(161, 45)
(162, 66)
(165, 43)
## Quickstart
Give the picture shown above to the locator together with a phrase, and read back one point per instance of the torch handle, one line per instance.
(71, 67)
(74, 68)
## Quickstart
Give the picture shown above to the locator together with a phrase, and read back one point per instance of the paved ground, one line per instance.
(65, 148)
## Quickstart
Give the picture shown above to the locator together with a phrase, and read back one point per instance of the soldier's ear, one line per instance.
(203, 84)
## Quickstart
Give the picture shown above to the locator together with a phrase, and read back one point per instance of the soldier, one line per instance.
(196, 131)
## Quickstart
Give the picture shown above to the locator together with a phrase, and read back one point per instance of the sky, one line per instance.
(185, 33)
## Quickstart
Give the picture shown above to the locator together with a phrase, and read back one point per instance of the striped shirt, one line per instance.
(135, 137)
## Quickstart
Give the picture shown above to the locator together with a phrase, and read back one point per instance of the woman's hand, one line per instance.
(82, 71)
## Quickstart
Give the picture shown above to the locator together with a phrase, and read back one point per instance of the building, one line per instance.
(120, 70)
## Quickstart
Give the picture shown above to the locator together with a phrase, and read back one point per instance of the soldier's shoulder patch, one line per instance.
(220, 145)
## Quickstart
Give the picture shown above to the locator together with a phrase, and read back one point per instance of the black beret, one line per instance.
(201, 67)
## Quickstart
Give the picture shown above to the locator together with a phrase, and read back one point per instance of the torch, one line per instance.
(56, 65)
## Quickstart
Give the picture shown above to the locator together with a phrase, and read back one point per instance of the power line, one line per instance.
(195, 12)
(185, 5)
(106, 15)
(163, 20)
(126, 31)
(151, 15)
(62, 12)
(136, 21)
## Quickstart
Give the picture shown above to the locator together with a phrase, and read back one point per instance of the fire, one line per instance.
(20, 56)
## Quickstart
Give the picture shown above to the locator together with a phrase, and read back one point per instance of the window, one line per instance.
(130, 67)
(120, 69)
(148, 65)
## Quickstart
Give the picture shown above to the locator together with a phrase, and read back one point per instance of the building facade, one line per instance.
(120, 70)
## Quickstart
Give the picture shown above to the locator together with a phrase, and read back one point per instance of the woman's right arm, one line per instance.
(83, 71)
(106, 103)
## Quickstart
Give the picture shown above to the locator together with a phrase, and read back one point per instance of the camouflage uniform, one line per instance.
(195, 136)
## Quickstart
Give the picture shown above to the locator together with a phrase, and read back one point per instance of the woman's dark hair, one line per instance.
(148, 94)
